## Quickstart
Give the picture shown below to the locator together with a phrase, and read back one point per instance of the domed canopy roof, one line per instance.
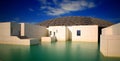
(75, 20)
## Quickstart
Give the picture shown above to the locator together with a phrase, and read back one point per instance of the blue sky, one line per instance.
(34, 11)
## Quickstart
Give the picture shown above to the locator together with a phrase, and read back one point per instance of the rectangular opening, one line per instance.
(50, 32)
(54, 33)
(78, 32)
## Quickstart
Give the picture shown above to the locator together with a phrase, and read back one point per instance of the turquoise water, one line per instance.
(60, 51)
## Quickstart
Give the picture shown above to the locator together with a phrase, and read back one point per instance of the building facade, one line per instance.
(85, 33)
(110, 41)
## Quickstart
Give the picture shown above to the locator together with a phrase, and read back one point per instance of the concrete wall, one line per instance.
(45, 39)
(112, 30)
(89, 33)
(9, 32)
(60, 32)
(15, 29)
(17, 41)
(5, 29)
(22, 29)
(33, 31)
(9, 29)
(68, 34)
(110, 41)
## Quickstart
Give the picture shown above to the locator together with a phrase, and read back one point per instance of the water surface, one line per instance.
(60, 51)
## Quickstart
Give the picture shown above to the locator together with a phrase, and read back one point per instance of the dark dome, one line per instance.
(75, 20)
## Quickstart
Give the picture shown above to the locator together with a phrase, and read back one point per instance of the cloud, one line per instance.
(55, 11)
(55, 1)
(45, 2)
(30, 9)
(91, 5)
(42, 1)
(70, 6)
(76, 5)
(65, 0)
(67, 6)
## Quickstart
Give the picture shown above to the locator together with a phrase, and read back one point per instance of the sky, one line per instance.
(35, 11)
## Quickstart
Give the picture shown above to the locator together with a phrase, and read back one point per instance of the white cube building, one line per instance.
(110, 41)
(85, 33)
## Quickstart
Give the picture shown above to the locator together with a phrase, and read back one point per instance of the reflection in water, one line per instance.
(60, 51)
(14, 53)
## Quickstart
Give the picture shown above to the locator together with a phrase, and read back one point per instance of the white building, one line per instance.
(85, 33)
(58, 32)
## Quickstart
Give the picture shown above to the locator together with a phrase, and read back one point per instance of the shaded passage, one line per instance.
(60, 51)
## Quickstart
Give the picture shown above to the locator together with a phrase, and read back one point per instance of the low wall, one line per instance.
(16, 41)
(45, 39)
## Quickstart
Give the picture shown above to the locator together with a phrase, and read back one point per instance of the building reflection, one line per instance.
(14, 52)
(70, 51)
(63, 51)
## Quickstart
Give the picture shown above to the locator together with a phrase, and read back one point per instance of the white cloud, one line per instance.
(91, 5)
(70, 6)
(55, 11)
(44, 2)
(67, 6)
(76, 5)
